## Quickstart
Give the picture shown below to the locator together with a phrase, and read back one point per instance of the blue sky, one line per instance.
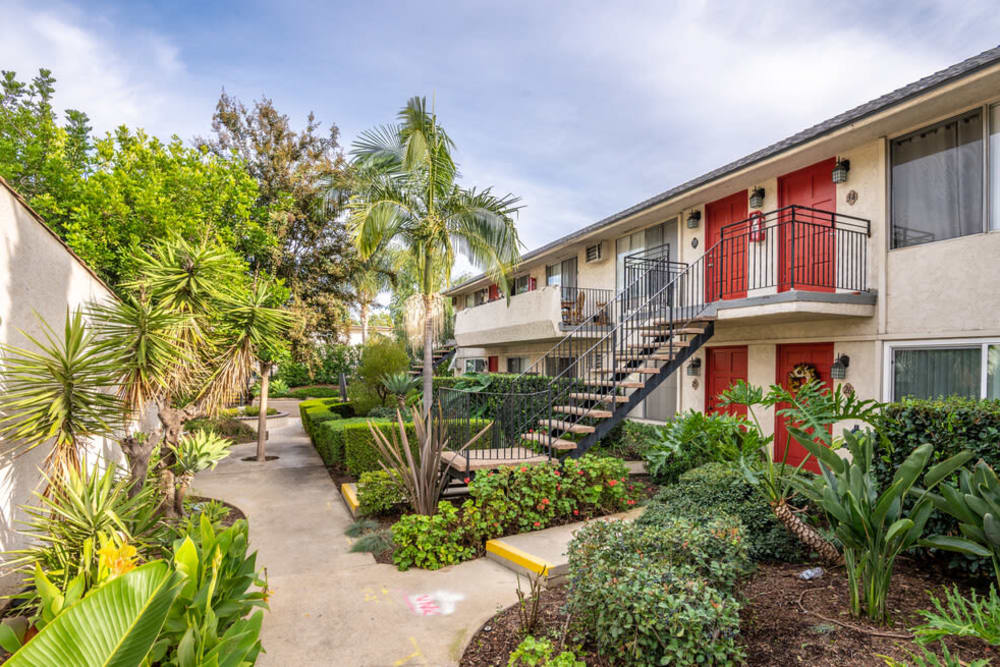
(581, 108)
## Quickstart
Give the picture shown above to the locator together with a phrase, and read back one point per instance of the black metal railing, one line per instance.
(586, 304)
(792, 248)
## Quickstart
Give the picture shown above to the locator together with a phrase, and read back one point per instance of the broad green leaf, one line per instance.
(9, 639)
(909, 470)
(114, 625)
(944, 469)
(991, 526)
(898, 529)
(825, 455)
(960, 544)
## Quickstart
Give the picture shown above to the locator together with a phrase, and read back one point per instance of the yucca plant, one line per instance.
(871, 522)
(975, 503)
(76, 512)
(62, 393)
(400, 385)
(422, 474)
(197, 451)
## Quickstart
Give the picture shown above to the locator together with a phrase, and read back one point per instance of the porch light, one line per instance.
(757, 197)
(694, 368)
(840, 170)
(693, 218)
(838, 371)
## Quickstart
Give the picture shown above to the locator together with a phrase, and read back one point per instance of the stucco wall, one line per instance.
(530, 316)
(37, 273)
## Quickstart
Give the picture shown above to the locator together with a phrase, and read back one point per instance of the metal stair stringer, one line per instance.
(622, 410)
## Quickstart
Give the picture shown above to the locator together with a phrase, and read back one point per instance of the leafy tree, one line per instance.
(109, 196)
(406, 192)
(313, 254)
(380, 357)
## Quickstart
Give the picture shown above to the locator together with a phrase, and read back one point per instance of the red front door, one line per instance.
(818, 355)
(808, 242)
(726, 254)
(494, 364)
(724, 366)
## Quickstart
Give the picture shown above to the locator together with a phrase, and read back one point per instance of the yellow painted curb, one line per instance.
(518, 557)
(350, 497)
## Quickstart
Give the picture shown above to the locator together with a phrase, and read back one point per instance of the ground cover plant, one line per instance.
(694, 438)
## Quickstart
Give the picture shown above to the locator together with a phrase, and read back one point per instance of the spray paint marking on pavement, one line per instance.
(438, 603)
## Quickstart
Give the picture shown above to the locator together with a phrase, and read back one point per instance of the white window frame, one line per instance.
(889, 348)
(486, 364)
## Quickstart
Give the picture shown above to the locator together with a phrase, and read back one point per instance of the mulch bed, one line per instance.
(786, 621)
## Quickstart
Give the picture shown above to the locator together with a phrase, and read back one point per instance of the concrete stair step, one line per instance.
(568, 427)
(600, 398)
(640, 370)
(611, 383)
(582, 411)
(552, 441)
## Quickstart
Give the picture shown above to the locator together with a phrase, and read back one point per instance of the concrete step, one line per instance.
(568, 427)
(640, 370)
(582, 411)
(543, 552)
(555, 443)
(612, 383)
(665, 328)
(599, 398)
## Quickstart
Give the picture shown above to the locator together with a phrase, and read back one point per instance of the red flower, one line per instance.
(524, 470)
(580, 472)
(612, 482)
(537, 524)
(631, 502)
(558, 487)
(556, 473)
(467, 480)
(545, 501)
(576, 512)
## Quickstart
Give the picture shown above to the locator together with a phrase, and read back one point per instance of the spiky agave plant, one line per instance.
(400, 385)
(201, 450)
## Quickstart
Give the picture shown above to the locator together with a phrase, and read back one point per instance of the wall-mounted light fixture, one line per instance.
(757, 197)
(840, 170)
(838, 371)
(694, 217)
(694, 368)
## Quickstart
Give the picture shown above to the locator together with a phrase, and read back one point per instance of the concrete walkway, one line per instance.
(333, 607)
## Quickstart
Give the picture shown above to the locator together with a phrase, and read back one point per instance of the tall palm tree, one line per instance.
(370, 277)
(406, 192)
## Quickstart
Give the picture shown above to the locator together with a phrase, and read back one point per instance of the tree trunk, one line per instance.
(364, 323)
(265, 384)
(138, 451)
(169, 491)
(806, 533)
(428, 354)
(173, 420)
(183, 484)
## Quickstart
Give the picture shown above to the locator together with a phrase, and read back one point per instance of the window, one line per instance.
(481, 296)
(522, 284)
(563, 273)
(937, 181)
(936, 370)
(515, 365)
(475, 365)
(555, 366)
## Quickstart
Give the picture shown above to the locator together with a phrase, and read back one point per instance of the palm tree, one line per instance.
(406, 193)
(370, 277)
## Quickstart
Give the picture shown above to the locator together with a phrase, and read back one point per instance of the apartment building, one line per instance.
(863, 251)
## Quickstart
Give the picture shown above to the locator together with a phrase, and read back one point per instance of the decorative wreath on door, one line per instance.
(800, 375)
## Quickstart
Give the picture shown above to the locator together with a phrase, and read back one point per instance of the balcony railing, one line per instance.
(792, 248)
(586, 304)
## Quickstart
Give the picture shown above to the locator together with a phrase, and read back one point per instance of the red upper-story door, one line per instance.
(807, 241)
(726, 252)
(820, 357)
(724, 366)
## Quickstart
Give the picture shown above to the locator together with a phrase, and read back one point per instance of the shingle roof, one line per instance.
(898, 96)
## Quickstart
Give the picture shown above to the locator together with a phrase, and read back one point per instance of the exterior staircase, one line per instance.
(441, 355)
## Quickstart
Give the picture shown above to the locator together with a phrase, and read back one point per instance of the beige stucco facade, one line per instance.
(940, 291)
(38, 274)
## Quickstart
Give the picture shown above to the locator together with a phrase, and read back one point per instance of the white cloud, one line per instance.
(114, 74)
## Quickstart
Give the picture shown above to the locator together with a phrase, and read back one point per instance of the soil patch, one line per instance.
(774, 627)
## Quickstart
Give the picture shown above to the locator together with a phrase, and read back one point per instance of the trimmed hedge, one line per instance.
(951, 425)
(320, 410)
(715, 490)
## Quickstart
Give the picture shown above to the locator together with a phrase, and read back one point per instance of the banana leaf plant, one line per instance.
(869, 521)
(976, 506)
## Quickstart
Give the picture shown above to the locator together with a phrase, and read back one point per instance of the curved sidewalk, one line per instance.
(333, 607)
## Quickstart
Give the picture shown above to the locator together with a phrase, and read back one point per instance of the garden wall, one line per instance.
(38, 273)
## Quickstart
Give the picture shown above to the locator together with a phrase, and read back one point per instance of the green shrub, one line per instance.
(693, 439)
(379, 357)
(950, 425)
(316, 416)
(380, 492)
(294, 374)
(654, 595)
(533, 652)
(254, 411)
(628, 440)
(315, 392)
(276, 389)
(718, 489)
(230, 428)
(430, 542)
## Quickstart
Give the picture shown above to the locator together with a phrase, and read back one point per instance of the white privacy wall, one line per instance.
(38, 274)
